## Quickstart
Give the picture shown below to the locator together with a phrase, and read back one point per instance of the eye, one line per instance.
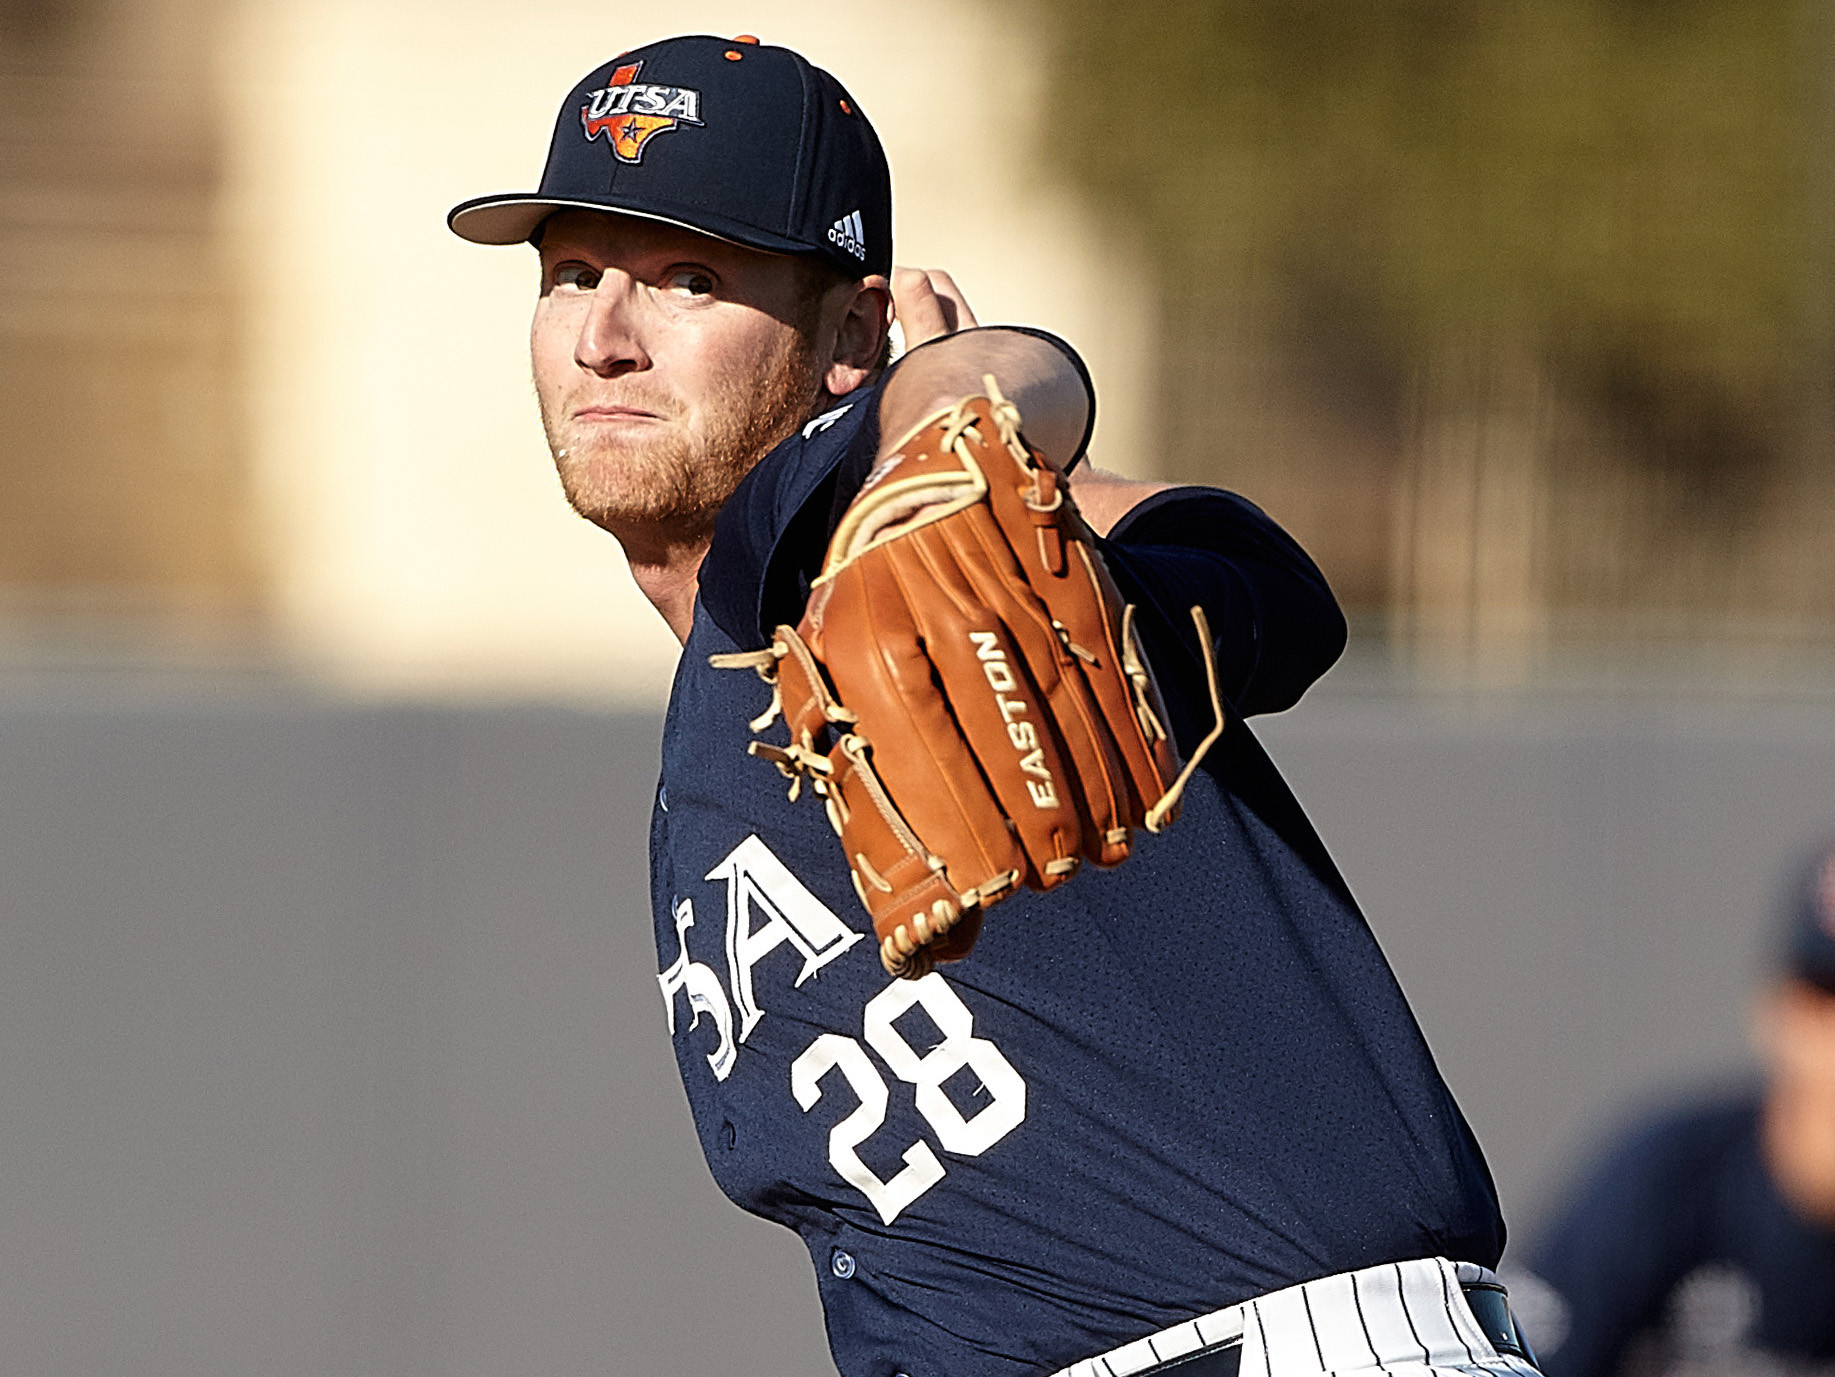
(690, 281)
(575, 277)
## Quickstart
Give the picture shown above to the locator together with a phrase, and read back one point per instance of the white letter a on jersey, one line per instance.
(756, 879)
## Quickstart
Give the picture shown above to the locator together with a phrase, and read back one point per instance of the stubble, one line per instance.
(671, 484)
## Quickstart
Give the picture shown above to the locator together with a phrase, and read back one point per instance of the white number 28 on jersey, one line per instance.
(964, 1136)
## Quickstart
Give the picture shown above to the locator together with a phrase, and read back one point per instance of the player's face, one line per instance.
(667, 363)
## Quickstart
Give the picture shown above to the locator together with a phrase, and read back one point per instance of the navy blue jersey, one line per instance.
(1678, 1250)
(1159, 1090)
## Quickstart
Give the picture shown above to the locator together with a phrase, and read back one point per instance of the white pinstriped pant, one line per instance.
(1402, 1319)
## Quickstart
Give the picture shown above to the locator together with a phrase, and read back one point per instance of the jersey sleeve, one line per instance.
(1276, 625)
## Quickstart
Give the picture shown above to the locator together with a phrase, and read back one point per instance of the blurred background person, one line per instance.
(1704, 1239)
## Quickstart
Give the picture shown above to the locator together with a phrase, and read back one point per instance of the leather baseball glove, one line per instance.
(966, 690)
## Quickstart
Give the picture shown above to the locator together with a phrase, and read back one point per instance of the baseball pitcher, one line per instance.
(999, 960)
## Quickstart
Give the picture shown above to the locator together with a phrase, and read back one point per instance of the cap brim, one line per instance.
(512, 219)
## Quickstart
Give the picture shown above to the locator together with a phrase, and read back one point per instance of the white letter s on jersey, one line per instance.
(704, 994)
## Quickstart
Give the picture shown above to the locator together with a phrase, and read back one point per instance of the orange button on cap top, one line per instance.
(745, 38)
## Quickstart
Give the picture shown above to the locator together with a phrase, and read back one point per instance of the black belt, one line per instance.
(1223, 1361)
(1490, 1306)
(1487, 1300)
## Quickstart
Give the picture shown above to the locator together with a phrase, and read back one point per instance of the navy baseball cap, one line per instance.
(1809, 918)
(734, 138)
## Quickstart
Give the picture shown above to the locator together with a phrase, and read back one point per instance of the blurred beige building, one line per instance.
(255, 388)
(125, 498)
(1520, 316)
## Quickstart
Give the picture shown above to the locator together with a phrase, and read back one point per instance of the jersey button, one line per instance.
(842, 1263)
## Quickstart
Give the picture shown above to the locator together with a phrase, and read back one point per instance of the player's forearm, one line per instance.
(1104, 498)
(1034, 374)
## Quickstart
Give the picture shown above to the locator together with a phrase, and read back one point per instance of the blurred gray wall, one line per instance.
(330, 1040)
(1576, 893)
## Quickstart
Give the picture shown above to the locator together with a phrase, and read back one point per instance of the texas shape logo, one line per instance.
(629, 113)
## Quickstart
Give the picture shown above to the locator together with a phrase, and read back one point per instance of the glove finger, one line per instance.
(999, 662)
(916, 746)
(1065, 572)
(1129, 699)
(988, 571)
(1090, 701)
(918, 915)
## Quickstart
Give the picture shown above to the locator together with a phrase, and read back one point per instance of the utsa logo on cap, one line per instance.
(630, 113)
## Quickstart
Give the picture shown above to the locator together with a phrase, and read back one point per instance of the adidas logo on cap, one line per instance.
(850, 234)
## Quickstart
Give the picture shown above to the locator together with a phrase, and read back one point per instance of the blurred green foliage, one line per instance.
(1622, 189)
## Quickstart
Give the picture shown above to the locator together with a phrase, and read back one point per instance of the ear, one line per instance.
(865, 309)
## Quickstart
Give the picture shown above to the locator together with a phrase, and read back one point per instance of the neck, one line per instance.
(667, 570)
(665, 560)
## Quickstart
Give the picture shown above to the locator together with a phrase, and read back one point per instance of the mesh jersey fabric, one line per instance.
(1207, 1085)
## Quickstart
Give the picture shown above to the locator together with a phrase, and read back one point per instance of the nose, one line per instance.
(608, 343)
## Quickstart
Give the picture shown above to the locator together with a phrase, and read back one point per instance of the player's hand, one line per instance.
(926, 302)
